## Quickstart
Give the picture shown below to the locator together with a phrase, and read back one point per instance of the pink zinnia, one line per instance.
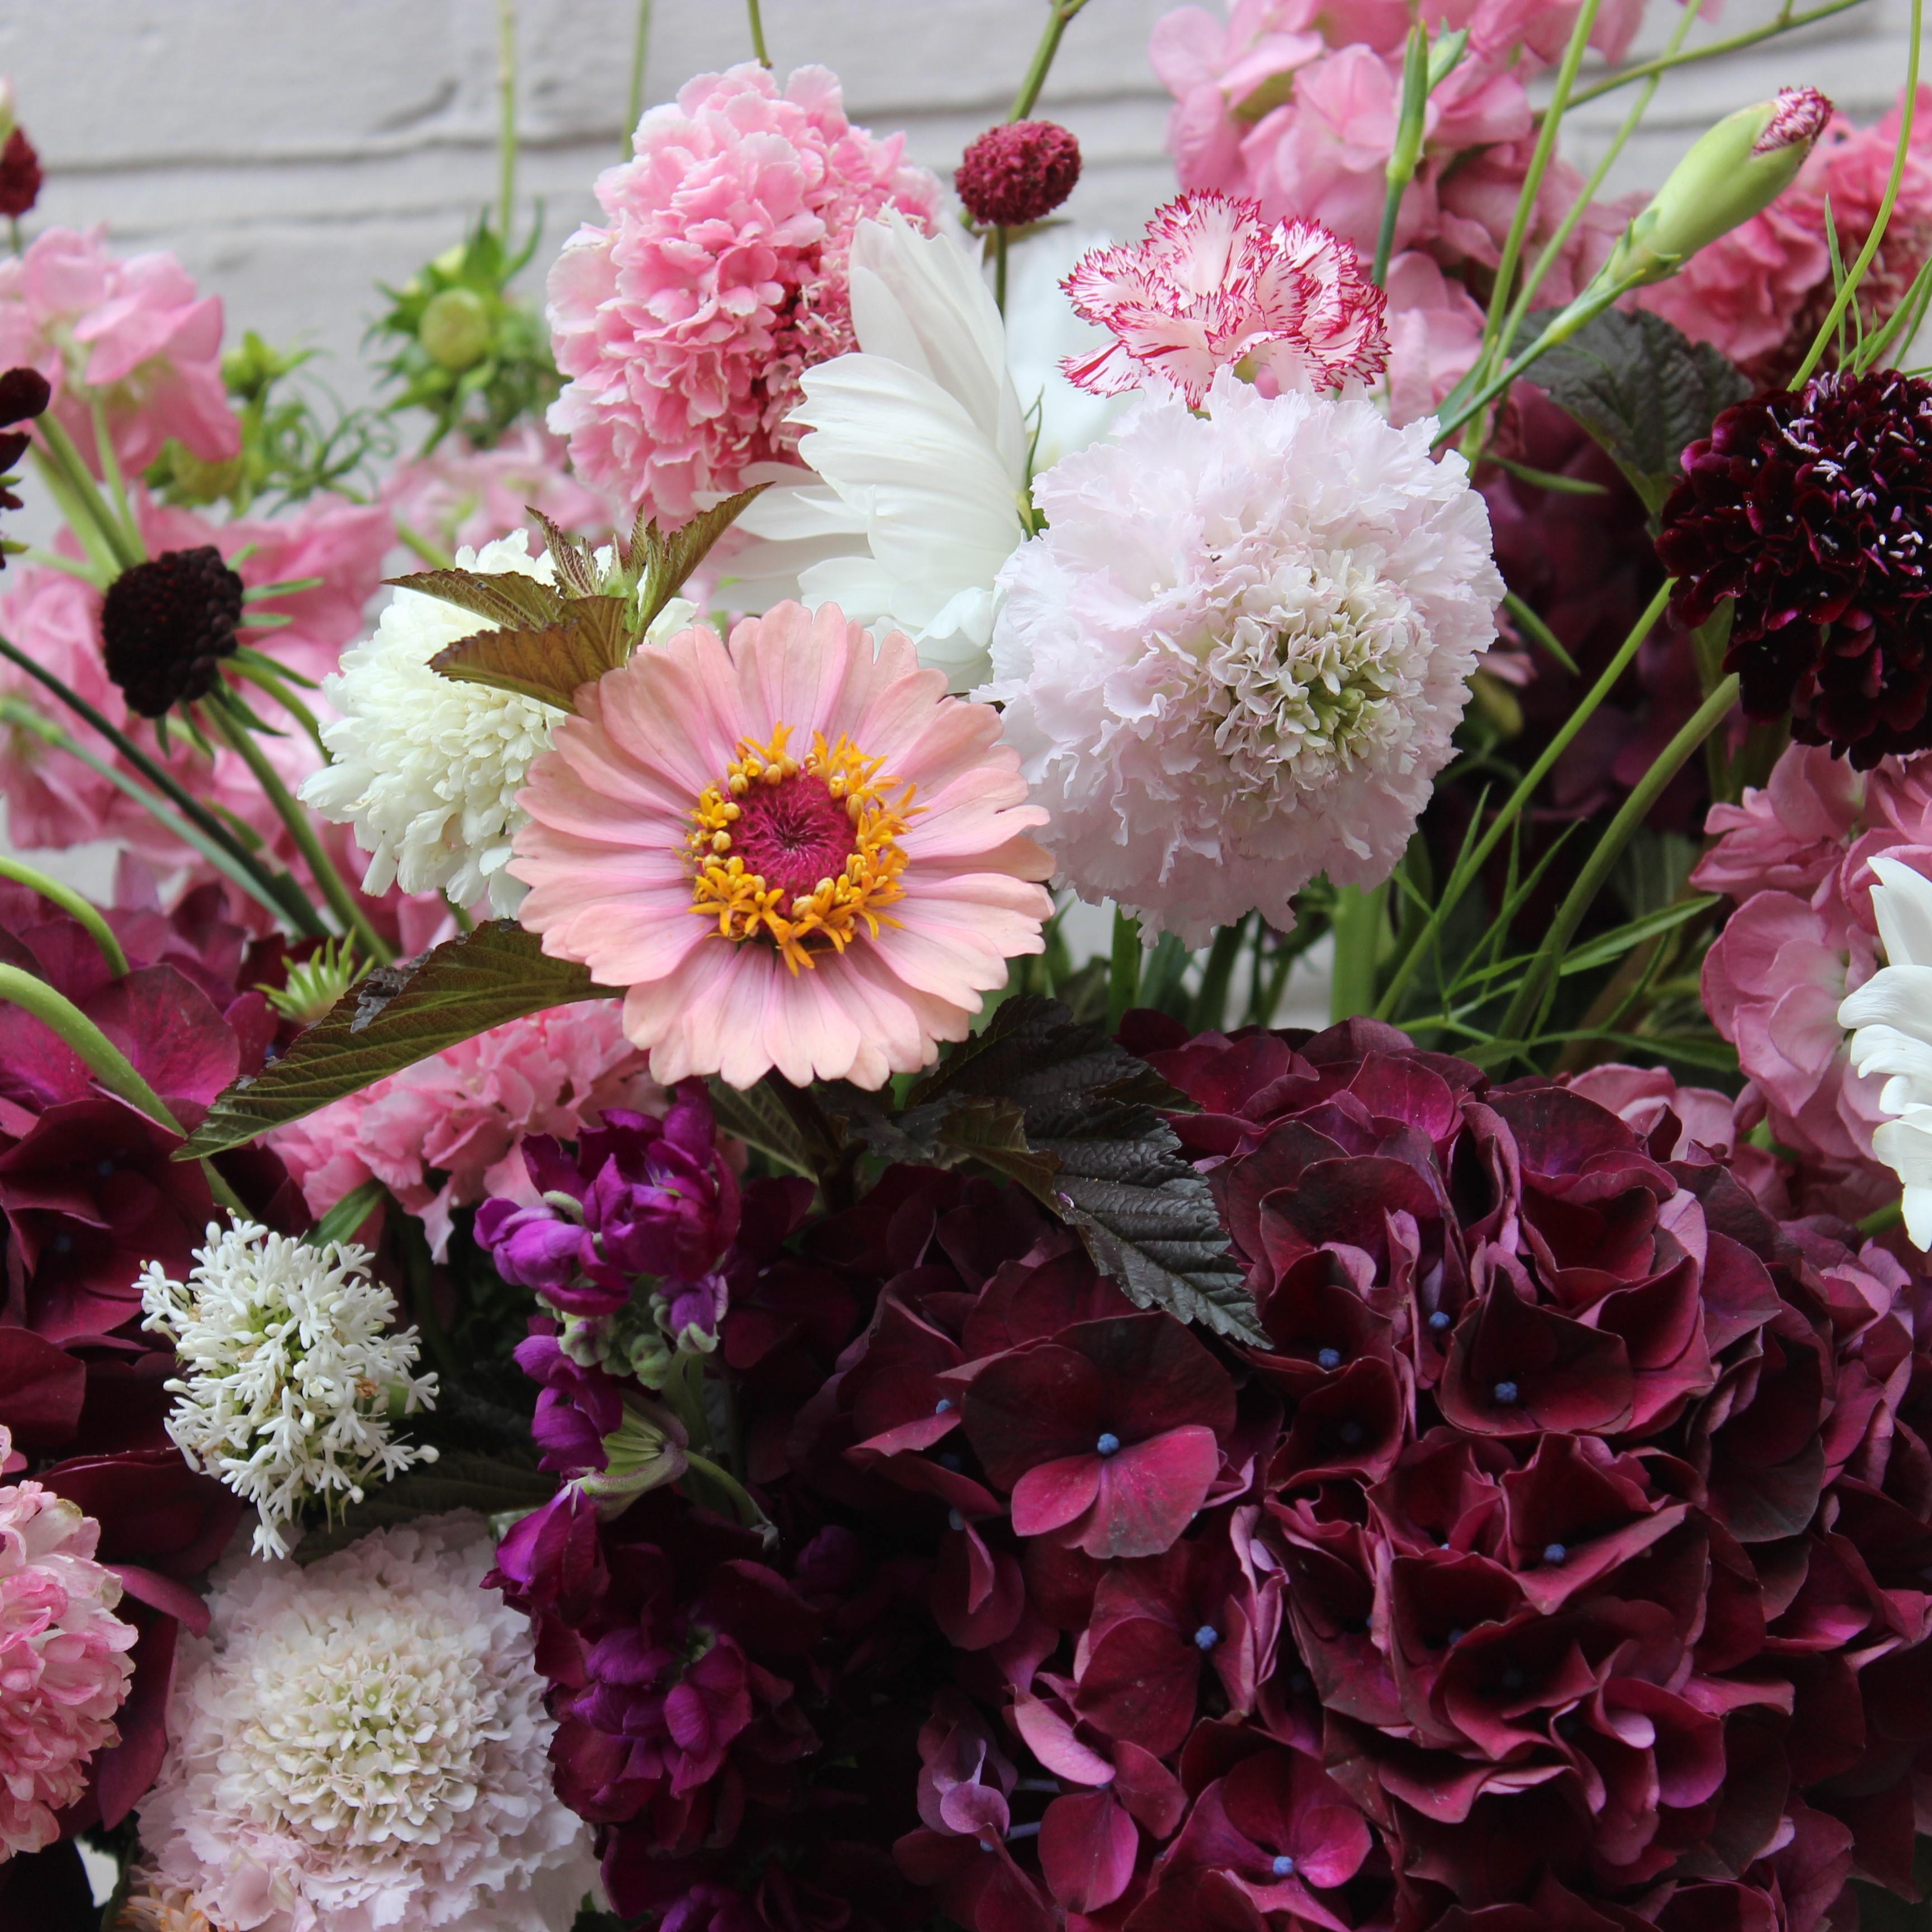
(794, 851)
(1213, 286)
(64, 1666)
(685, 324)
(132, 333)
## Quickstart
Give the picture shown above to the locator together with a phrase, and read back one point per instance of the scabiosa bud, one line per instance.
(20, 176)
(24, 395)
(1809, 509)
(1019, 172)
(167, 624)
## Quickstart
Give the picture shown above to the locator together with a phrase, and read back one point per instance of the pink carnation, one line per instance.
(458, 495)
(685, 324)
(1760, 292)
(1213, 286)
(464, 1114)
(132, 333)
(64, 1667)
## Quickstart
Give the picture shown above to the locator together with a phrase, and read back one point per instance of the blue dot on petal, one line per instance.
(1439, 1320)
(1508, 1394)
(1284, 1866)
(943, 1406)
(1554, 1553)
(1109, 1444)
(1206, 1637)
(955, 1520)
(1330, 1358)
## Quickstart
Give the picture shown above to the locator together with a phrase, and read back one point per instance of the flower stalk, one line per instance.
(102, 1057)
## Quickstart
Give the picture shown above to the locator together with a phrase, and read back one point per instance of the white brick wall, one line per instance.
(291, 154)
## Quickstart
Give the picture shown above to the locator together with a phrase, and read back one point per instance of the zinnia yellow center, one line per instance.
(800, 854)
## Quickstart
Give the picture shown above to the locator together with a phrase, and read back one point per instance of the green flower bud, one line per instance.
(645, 1451)
(456, 328)
(1733, 171)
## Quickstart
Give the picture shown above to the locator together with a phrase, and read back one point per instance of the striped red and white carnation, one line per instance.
(792, 851)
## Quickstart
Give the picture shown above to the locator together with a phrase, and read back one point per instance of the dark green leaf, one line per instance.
(755, 1116)
(1642, 388)
(347, 1215)
(509, 597)
(1609, 946)
(454, 1481)
(550, 663)
(391, 1018)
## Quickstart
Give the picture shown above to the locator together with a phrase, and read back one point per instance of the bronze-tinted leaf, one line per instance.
(503, 597)
(550, 663)
(669, 560)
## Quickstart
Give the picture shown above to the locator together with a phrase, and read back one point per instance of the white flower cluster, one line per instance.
(363, 1744)
(1892, 1011)
(290, 1377)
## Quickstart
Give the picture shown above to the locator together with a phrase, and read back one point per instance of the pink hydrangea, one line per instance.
(63, 1665)
(457, 495)
(132, 333)
(1759, 292)
(1214, 286)
(446, 1132)
(684, 324)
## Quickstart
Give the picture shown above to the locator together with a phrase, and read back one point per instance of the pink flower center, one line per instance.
(793, 834)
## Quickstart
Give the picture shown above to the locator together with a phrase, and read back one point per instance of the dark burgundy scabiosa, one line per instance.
(1809, 510)
(24, 395)
(20, 176)
(167, 624)
(1019, 172)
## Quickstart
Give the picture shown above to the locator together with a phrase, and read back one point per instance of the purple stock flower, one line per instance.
(579, 1405)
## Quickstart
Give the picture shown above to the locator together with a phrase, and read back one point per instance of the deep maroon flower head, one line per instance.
(20, 176)
(1809, 510)
(24, 394)
(167, 624)
(1019, 172)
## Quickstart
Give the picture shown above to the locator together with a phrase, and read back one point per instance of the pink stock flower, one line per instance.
(1212, 287)
(684, 324)
(1436, 329)
(1759, 292)
(132, 333)
(458, 495)
(446, 1132)
(793, 850)
(64, 1670)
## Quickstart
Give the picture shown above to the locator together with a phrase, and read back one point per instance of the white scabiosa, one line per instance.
(290, 1377)
(362, 1744)
(1238, 655)
(1892, 1013)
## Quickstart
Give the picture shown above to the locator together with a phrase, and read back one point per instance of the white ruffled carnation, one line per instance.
(1236, 658)
(428, 769)
(290, 1376)
(362, 1744)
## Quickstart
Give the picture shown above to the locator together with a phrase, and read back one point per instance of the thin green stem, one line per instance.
(1663, 63)
(1360, 920)
(1210, 1002)
(1527, 1010)
(67, 462)
(289, 905)
(999, 267)
(302, 829)
(759, 51)
(1900, 154)
(74, 905)
(116, 485)
(742, 1502)
(1123, 973)
(506, 137)
(433, 554)
(641, 47)
(104, 1060)
(1407, 150)
(1539, 632)
(1061, 12)
(1466, 870)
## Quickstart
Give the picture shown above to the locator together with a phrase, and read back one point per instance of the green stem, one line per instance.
(1408, 149)
(322, 868)
(290, 905)
(1900, 154)
(747, 1510)
(115, 483)
(1210, 1002)
(1526, 1011)
(1360, 920)
(1466, 870)
(506, 137)
(432, 554)
(999, 268)
(1062, 12)
(758, 49)
(1583, 311)
(1539, 632)
(65, 458)
(71, 903)
(1123, 976)
(104, 1060)
(1663, 63)
(640, 43)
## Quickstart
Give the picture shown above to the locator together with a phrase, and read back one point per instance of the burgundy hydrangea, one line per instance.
(1017, 172)
(1559, 1561)
(1809, 509)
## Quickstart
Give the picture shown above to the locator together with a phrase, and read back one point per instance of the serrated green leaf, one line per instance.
(508, 597)
(391, 1018)
(551, 664)
(456, 1480)
(1640, 387)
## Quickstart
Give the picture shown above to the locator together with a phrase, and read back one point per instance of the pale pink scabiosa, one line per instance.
(685, 323)
(1236, 657)
(132, 333)
(361, 1744)
(793, 851)
(1214, 286)
(445, 1133)
(64, 1666)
